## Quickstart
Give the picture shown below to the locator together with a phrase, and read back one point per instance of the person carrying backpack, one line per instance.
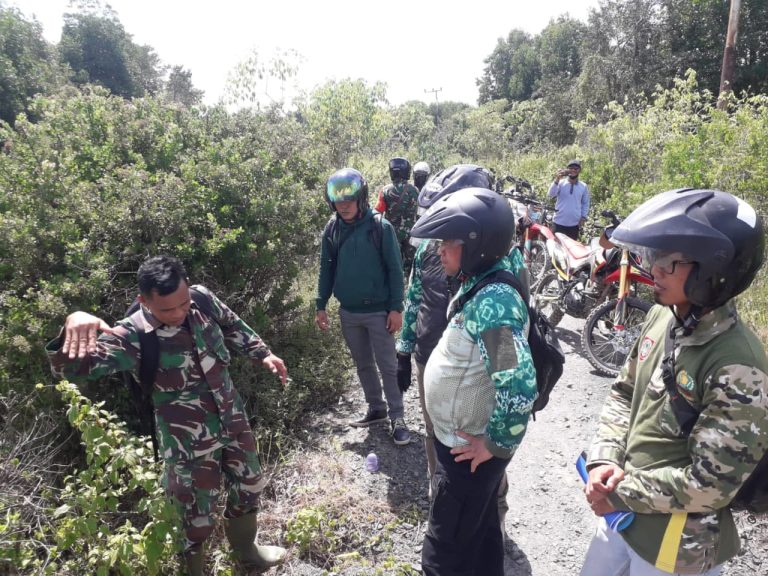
(398, 202)
(686, 421)
(430, 289)
(202, 426)
(479, 384)
(360, 265)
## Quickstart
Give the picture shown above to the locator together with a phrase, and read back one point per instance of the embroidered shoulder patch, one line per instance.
(645, 347)
(685, 384)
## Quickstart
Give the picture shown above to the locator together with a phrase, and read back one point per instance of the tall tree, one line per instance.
(100, 51)
(28, 64)
(512, 69)
(179, 88)
(624, 50)
(346, 116)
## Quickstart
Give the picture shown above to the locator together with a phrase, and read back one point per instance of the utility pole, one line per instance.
(437, 103)
(729, 54)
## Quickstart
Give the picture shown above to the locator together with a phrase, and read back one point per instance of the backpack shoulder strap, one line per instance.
(685, 413)
(502, 276)
(203, 302)
(378, 230)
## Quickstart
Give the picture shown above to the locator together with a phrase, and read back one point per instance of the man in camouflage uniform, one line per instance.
(203, 430)
(676, 450)
(479, 385)
(398, 202)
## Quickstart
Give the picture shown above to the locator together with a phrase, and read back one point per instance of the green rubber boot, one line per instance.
(194, 561)
(241, 533)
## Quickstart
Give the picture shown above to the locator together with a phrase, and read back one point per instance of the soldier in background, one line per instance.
(398, 202)
(420, 175)
(686, 421)
(203, 430)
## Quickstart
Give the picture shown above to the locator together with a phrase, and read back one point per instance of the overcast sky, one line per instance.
(415, 47)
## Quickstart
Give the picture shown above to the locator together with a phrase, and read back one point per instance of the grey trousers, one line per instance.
(371, 345)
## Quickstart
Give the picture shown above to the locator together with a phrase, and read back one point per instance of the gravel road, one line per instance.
(549, 524)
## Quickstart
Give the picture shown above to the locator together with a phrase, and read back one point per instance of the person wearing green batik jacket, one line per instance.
(202, 428)
(686, 421)
(430, 290)
(479, 384)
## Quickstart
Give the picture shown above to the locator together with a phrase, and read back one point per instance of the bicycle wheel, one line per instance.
(606, 343)
(540, 262)
(547, 296)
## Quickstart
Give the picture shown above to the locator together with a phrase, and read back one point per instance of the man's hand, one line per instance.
(403, 371)
(276, 366)
(321, 319)
(603, 479)
(475, 451)
(602, 507)
(80, 332)
(394, 321)
(582, 221)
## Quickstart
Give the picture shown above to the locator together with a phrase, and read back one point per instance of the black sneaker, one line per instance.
(371, 417)
(400, 433)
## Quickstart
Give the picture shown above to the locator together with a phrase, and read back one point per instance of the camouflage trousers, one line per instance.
(194, 485)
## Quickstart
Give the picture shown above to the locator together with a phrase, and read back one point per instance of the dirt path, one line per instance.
(380, 518)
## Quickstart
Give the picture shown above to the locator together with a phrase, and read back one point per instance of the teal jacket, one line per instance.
(365, 278)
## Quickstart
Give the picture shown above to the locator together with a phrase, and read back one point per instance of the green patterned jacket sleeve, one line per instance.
(407, 340)
(496, 318)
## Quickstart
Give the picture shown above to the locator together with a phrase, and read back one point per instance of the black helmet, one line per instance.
(454, 178)
(344, 185)
(479, 217)
(399, 170)
(722, 234)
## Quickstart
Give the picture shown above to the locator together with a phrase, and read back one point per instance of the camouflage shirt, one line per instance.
(197, 408)
(480, 377)
(399, 203)
(679, 485)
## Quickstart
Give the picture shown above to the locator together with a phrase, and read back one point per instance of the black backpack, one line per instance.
(548, 357)
(331, 233)
(753, 494)
(149, 346)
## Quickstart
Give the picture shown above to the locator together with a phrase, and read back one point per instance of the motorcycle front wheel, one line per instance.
(547, 297)
(540, 262)
(606, 340)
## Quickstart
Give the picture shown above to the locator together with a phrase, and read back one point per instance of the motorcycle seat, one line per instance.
(577, 250)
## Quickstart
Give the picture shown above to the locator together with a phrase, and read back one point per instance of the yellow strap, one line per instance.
(670, 545)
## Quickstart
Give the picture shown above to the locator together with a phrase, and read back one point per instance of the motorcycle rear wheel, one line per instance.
(540, 262)
(547, 295)
(605, 345)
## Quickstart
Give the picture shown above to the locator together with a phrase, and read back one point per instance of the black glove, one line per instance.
(403, 371)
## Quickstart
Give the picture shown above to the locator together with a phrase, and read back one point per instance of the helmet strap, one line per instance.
(691, 319)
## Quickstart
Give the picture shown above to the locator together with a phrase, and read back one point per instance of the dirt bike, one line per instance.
(612, 327)
(585, 277)
(531, 230)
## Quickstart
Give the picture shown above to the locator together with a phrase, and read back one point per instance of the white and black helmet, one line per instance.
(720, 233)
(479, 217)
